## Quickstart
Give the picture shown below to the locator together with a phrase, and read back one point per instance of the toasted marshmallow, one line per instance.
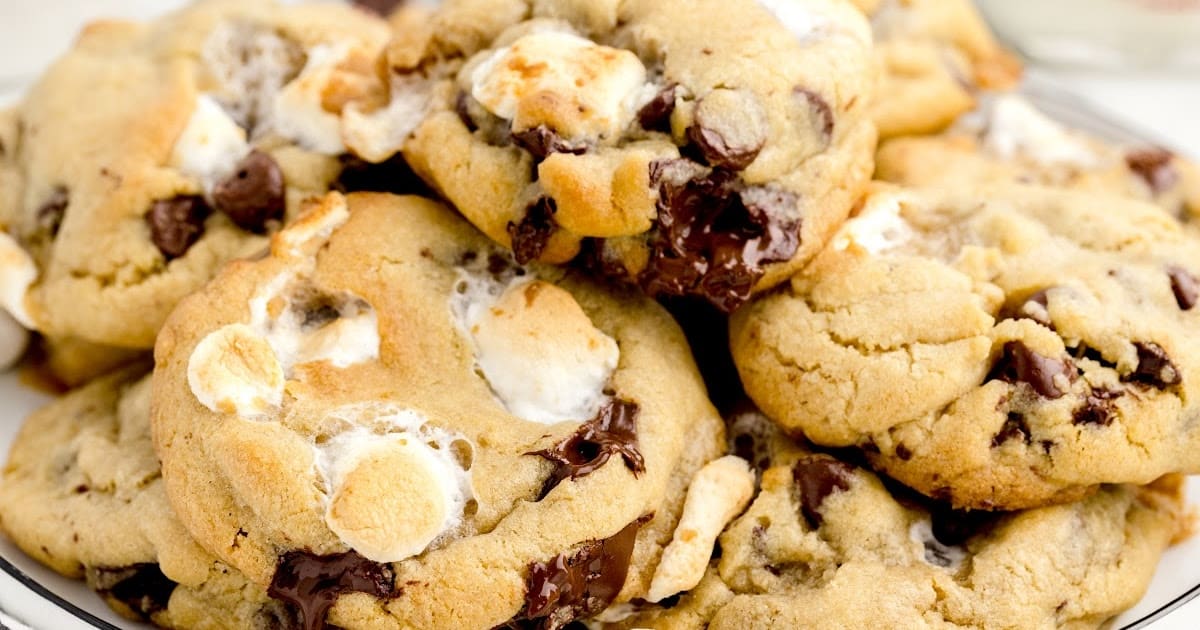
(299, 111)
(235, 371)
(378, 135)
(391, 495)
(564, 81)
(13, 341)
(211, 144)
(351, 338)
(312, 229)
(878, 227)
(718, 493)
(539, 351)
(1017, 128)
(17, 273)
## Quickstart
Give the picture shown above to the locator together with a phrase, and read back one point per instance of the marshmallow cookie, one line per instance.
(150, 154)
(1007, 139)
(82, 493)
(934, 57)
(695, 148)
(997, 349)
(827, 544)
(389, 393)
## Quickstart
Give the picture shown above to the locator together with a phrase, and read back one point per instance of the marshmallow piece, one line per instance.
(1017, 128)
(542, 355)
(17, 273)
(568, 83)
(719, 492)
(211, 144)
(350, 339)
(802, 22)
(392, 495)
(299, 112)
(878, 226)
(312, 229)
(235, 371)
(13, 341)
(378, 135)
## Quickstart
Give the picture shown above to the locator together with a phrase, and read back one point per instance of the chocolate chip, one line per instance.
(313, 583)
(393, 175)
(730, 129)
(612, 432)
(1015, 427)
(822, 112)
(141, 587)
(903, 452)
(381, 7)
(1155, 167)
(656, 115)
(1154, 367)
(714, 234)
(541, 141)
(577, 585)
(817, 477)
(1019, 364)
(254, 194)
(176, 224)
(531, 236)
(1097, 408)
(1185, 286)
(53, 209)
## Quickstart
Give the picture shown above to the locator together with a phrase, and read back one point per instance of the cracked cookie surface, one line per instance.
(828, 544)
(997, 348)
(694, 149)
(151, 153)
(387, 383)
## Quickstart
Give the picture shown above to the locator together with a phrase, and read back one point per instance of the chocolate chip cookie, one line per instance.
(994, 348)
(935, 58)
(827, 544)
(693, 148)
(150, 154)
(82, 493)
(1008, 140)
(388, 390)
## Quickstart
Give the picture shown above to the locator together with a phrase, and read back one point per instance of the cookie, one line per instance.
(702, 149)
(62, 364)
(995, 348)
(828, 544)
(150, 154)
(82, 493)
(935, 57)
(1008, 140)
(388, 390)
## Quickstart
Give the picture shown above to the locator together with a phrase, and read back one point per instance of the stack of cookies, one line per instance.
(621, 313)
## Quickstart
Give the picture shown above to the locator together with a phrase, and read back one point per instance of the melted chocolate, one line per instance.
(612, 432)
(1154, 367)
(1097, 408)
(577, 585)
(1015, 427)
(176, 224)
(541, 141)
(1019, 364)
(714, 234)
(656, 115)
(817, 477)
(531, 236)
(313, 583)
(1155, 167)
(254, 194)
(141, 587)
(1185, 286)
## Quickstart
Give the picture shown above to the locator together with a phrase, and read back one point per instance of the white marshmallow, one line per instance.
(878, 227)
(1017, 128)
(312, 229)
(17, 274)
(350, 339)
(793, 14)
(211, 144)
(298, 113)
(235, 371)
(380, 134)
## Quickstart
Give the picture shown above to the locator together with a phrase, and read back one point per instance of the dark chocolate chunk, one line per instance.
(720, 151)
(141, 587)
(817, 477)
(1154, 367)
(1155, 167)
(903, 452)
(1097, 408)
(1015, 427)
(381, 7)
(531, 236)
(176, 224)
(597, 259)
(392, 175)
(954, 527)
(656, 115)
(53, 209)
(541, 141)
(612, 432)
(1019, 364)
(313, 583)
(1185, 286)
(576, 585)
(714, 234)
(822, 112)
(254, 194)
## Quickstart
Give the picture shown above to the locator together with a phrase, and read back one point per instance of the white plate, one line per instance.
(44, 600)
